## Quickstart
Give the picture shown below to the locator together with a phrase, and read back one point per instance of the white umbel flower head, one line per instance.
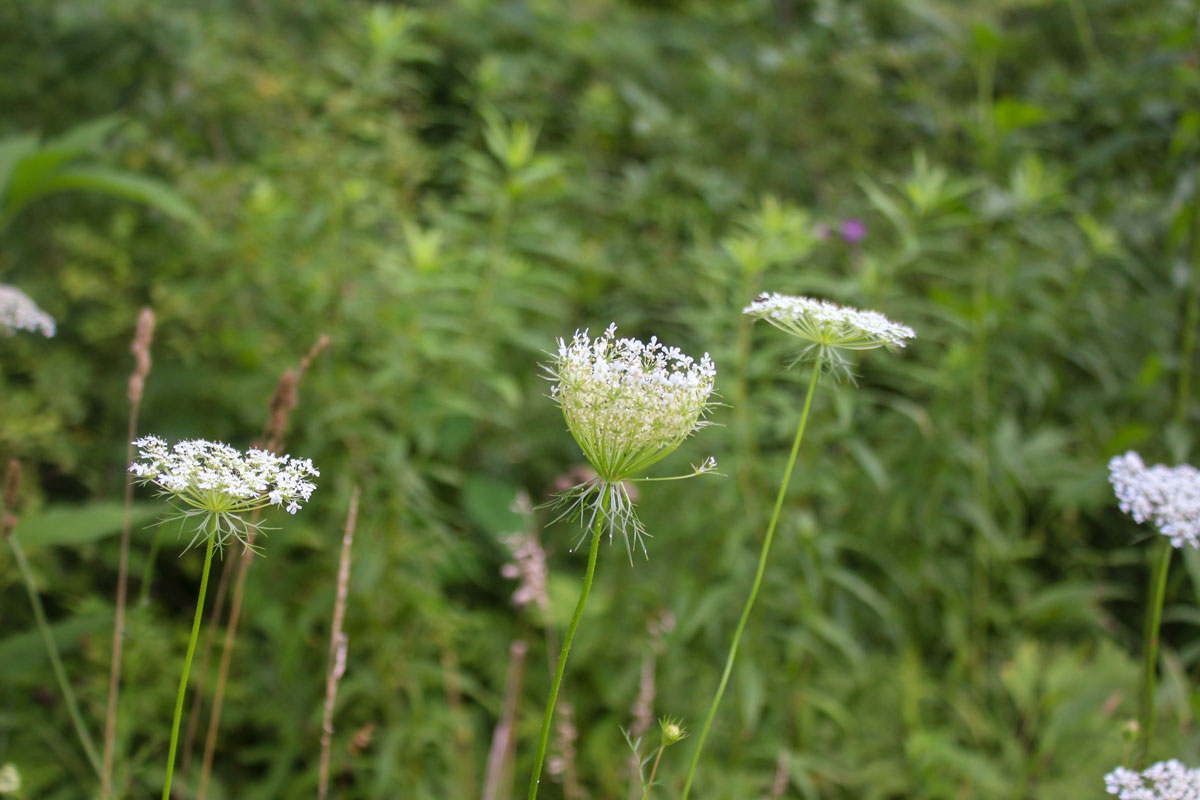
(1167, 497)
(19, 312)
(1166, 780)
(628, 404)
(828, 328)
(215, 484)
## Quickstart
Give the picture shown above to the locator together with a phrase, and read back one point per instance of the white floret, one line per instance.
(1166, 780)
(19, 312)
(828, 324)
(218, 478)
(628, 403)
(1167, 497)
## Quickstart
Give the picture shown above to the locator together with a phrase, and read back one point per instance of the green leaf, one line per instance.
(12, 150)
(22, 653)
(80, 525)
(127, 185)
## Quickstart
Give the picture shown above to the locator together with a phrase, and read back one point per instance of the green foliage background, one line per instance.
(952, 609)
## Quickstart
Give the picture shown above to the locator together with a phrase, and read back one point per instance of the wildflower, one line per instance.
(529, 568)
(829, 328)
(1168, 497)
(10, 779)
(19, 312)
(1166, 780)
(219, 484)
(853, 230)
(628, 404)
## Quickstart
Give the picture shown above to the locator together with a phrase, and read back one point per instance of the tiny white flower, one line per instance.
(216, 484)
(10, 779)
(1166, 780)
(829, 328)
(1167, 497)
(19, 312)
(628, 404)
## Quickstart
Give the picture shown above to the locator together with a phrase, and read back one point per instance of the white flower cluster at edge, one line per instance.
(18, 312)
(828, 324)
(217, 478)
(1168, 497)
(628, 403)
(1166, 780)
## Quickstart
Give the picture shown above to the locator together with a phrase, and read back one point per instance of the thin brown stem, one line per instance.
(497, 783)
(283, 401)
(137, 383)
(338, 644)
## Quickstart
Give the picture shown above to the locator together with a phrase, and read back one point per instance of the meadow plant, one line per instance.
(829, 331)
(1166, 780)
(19, 313)
(1168, 498)
(8, 525)
(628, 404)
(671, 731)
(213, 487)
(140, 348)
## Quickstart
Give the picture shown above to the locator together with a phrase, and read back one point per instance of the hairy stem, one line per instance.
(60, 673)
(1158, 587)
(758, 577)
(566, 647)
(187, 663)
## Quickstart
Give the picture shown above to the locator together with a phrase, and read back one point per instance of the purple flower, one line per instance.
(853, 230)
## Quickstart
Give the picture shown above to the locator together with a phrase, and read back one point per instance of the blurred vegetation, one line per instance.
(443, 188)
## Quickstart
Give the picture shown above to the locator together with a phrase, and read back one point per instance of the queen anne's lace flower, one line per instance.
(829, 328)
(628, 404)
(1166, 780)
(18, 312)
(1168, 497)
(220, 483)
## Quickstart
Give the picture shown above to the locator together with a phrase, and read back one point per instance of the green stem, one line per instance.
(653, 772)
(566, 646)
(187, 664)
(39, 614)
(1083, 26)
(1191, 318)
(1158, 589)
(758, 577)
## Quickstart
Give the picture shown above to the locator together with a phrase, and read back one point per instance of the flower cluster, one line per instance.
(628, 404)
(1166, 780)
(219, 482)
(1169, 497)
(18, 312)
(829, 328)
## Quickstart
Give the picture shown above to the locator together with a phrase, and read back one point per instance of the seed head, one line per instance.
(1168, 497)
(219, 483)
(828, 328)
(19, 312)
(1166, 780)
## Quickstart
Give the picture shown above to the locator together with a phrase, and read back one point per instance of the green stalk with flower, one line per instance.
(213, 487)
(1168, 498)
(628, 404)
(831, 332)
